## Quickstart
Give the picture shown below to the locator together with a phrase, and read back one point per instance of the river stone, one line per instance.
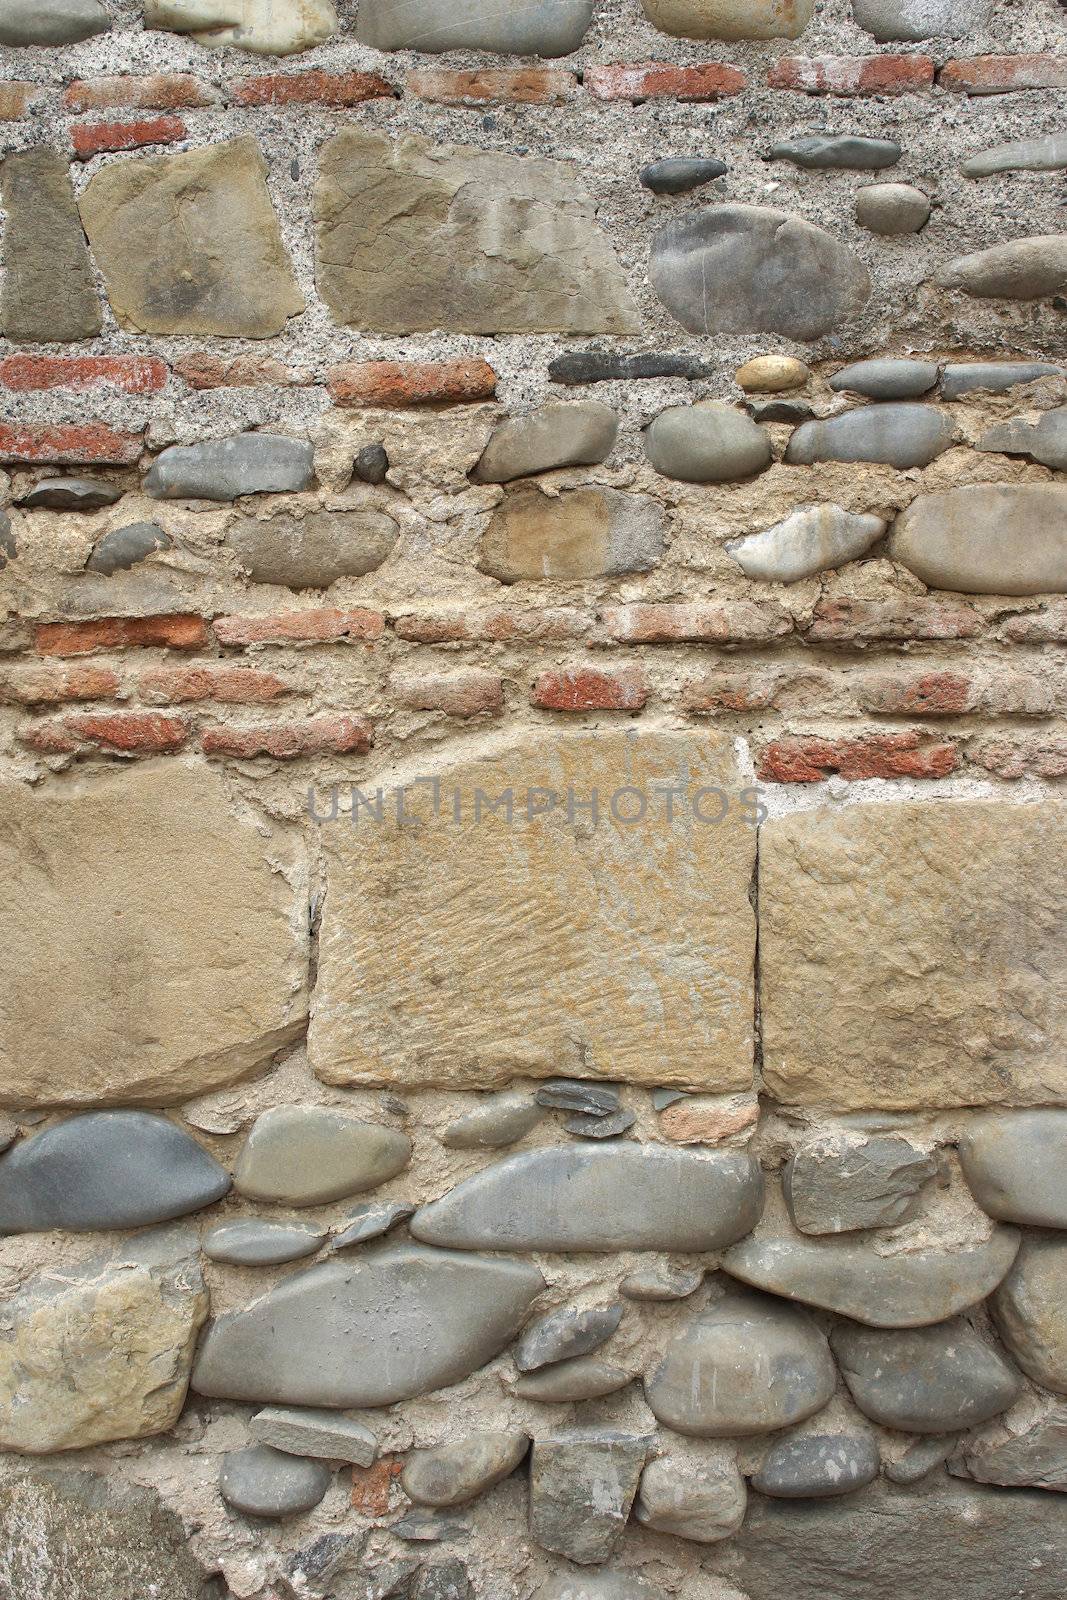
(1020, 269)
(730, 19)
(882, 1543)
(476, 241)
(371, 1221)
(584, 1378)
(740, 269)
(920, 1460)
(680, 174)
(265, 27)
(226, 469)
(123, 548)
(887, 379)
(305, 1432)
(70, 494)
(660, 1281)
(600, 1197)
(811, 539)
(598, 1127)
(570, 1094)
(847, 150)
(590, 532)
(706, 443)
(67, 1535)
(371, 464)
(987, 538)
(963, 377)
(1031, 1311)
(317, 1338)
(251, 1242)
(936, 1003)
(693, 1498)
(312, 551)
(1015, 1165)
(898, 435)
(585, 998)
(560, 434)
(1043, 153)
(1045, 440)
(892, 208)
(48, 293)
(924, 1380)
(461, 1469)
(747, 1364)
(772, 374)
(51, 22)
(309, 1155)
(109, 1169)
(816, 1466)
(101, 1350)
(609, 366)
(500, 1120)
(564, 1334)
(263, 1482)
(545, 28)
(582, 1485)
(603, 1585)
(1032, 1456)
(921, 19)
(837, 1184)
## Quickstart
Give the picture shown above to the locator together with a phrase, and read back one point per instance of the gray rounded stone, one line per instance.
(746, 1365)
(703, 1501)
(560, 434)
(584, 1378)
(920, 1460)
(124, 547)
(263, 1482)
(891, 20)
(1020, 269)
(499, 1120)
(706, 443)
(661, 1282)
(1015, 1163)
(681, 174)
(1030, 1308)
(892, 208)
(848, 150)
(897, 435)
(986, 538)
(70, 494)
(460, 1470)
(609, 1127)
(564, 1334)
(254, 1243)
(107, 1169)
(1043, 153)
(924, 1380)
(816, 1466)
(792, 411)
(751, 269)
(371, 464)
(226, 469)
(302, 1431)
(51, 22)
(309, 1155)
(995, 377)
(548, 28)
(312, 552)
(887, 379)
(811, 539)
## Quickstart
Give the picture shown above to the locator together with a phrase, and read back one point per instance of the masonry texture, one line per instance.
(533, 595)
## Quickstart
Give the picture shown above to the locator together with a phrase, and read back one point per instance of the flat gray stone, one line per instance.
(48, 292)
(600, 1197)
(582, 1485)
(226, 469)
(584, 1378)
(1032, 1456)
(571, 1094)
(51, 22)
(603, 1585)
(838, 1184)
(70, 494)
(263, 1482)
(747, 1364)
(1045, 440)
(898, 435)
(920, 1460)
(1015, 1163)
(371, 464)
(662, 1282)
(309, 1155)
(1030, 1308)
(122, 548)
(564, 1334)
(313, 551)
(560, 434)
(924, 1380)
(817, 1465)
(546, 28)
(317, 1338)
(995, 377)
(497, 1121)
(302, 1431)
(887, 379)
(778, 410)
(811, 539)
(847, 150)
(695, 1499)
(107, 1169)
(1021, 269)
(921, 19)
(752, 269)
(441, 1580)
(681, 174)
(371, 1221)
(706, 443)
(461, 1469)
(252, 1242)
(986, 538)
(609, 1127)
(892, 208)
(662, 1098)
(609, 366)
(1042, 153)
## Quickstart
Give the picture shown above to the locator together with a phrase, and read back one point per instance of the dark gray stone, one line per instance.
(320, 1434)
(610, 1127)
(1042, 153)
(839, 1184)
(426, 1527)
(371, 464)
(252, 1242)
(1030, 1308)
(751, 269)
(107, 1169)
(371, 1221)
(662, 1098)
(560, 434)
(995, 377)
(747, 1364)
(564, 1334)
(391, 1580)
(263, 1482)
(442, 1580)
(318, 1563)
(887, 379)
(1033, 1456)
(892, 208)
(794, 411)
(310, 1155)
(317, 1338)
(70, 494)
(708, 442)
(898, 435)
(569, 1094)
(918, 1462)
(924, 1380)
(1015, 1163)
(48, 294)
(122, 548)
(818, 1465)
(605, 366)
(681, 174)
(891, 20)
(849, 150)
(1019, 269)
(8, 551)
(312, 552)
(584, 1378)
(226, 469)
(51, 22)
(600, 1197)
(546, 28)
(1045, 440)
(662, 1282)
(460, 1470)
(497, 1121)
(582, 1485)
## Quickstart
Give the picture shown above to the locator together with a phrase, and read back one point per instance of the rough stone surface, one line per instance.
(582, 533)
(898, 435)
(1045, 440)
(750, 269)
(836, 150)
(251, 1242)
(887, 379)
(546, 28)
(607, 366)
(990, 538)
(584, 1378)
(582, 1485)
(938, 1001)
(692, 1498)
(1031, 1311)
(920, 19)
(152, 873)
(964, 377)
(564, 1334)
(560, 434)
(123, 548)
(1019, 269)
(51, 22)
(609, 1127)
(1043, 153)
(371, 1221)
(226, 469)
(263, 1482)
(1015, 1165)
(321, 1434)
(48, 292)
(921, 1458)
(371, 464)
(811, 539)
(499, 1120)
(706, 443)
(316, 1339)
(70, 494)
(309, 1155)
(441, 1580)
(463, 1468)
(840, 1184)
(892, 208)
(189, 243)
(924, 1380)
(265, 27)
(816, 1466)
(570, 1094)
(730, 19)
(1017, 1456)
(314, 551)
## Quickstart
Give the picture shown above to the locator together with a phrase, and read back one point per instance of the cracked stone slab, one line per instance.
(304, 1431)
(582, 1485)
(1044, 440)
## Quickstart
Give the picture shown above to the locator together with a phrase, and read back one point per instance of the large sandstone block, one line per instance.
(913, 955)
(412, 237)
(151, 950)
(481, 946)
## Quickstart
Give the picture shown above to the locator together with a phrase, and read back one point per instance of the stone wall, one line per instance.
(532, 723)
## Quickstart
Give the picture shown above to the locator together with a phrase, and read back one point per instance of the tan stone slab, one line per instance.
(469, 953)
(913, 955)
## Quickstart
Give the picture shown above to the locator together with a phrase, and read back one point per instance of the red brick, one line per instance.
(371, 1486)
(98, 138)
(1021, 758)
(659, 80)
(853, 75)
(457, 694)
(15, 97)
(1047, 626)
(30, 684)
(809, 758)
(309, 88)
(411, 383)
(736, 622)
(164, 91)
(286, 741)
(921, 694)
(317, 626)
(69, 444)
(1000, 74)
(238, 686)
(131, 374)
(133, 732)
(526, 86)
(906, 617)
(587, 689)
(200, 370)
(731, 691)
(180, 630)
(489, 627)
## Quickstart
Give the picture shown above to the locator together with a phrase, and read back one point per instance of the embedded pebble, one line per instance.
(680, 174)
(70, 494)
(841, 1184)
(263, 1482)
(847, 150)
(890, 20)
(920, 1460)
(892, 208)
(582, 1485)
(564, 1334)
(587, 1127)
(51, 22)
(897, 435)
(303, 1431)
(986, 538)
(771, 374)
(584, 1378)
(792, 411)
(225, 469)
(266, 27)
(371, 464)
(1044, 153)
(1044, 440)
(1030, 1309)
(498, 1120)
(706, 443)
(699, 1500)
(662, 1282)
(995, 377)
(253, 1243)
(371, 1221)
(308, 1155)
(816, 1466)
(1015, 1162)
(1021, 269)
(568, 1094)
(450, 1474)
(811, 539)
(546, 28)
(924, 1380)
(122, 548)
(662, 1098)
(561, 434)
(887, 379)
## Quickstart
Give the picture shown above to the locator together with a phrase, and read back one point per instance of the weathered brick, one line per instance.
(201, 370)
(99, 138)
(163, 91)
(228, 684)
(31, 684)
(731, 691)
(1000, 74)
(668, 622)
(286, 741)
(411, 383)
(658, 80)
(525, 86)
(133, 732)
(309, 88)
(1047, 626)
(457, 694)
(181, 630)
(15, 98)
(588, 689)
(809, 758)
(320, 625)
(853, 75)
(371, 1486)
(906, 617)
(69, 444)
(1021, 758)
(917, 694)
(131, 374)
(490, 627)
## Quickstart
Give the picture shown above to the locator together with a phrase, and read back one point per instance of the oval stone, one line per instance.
(887, 379)
(584, 1378)
(987, 538)
(51, 22)
(498, 1120)
(924, 1380)
(565, 1334)
(963, 377)
(811, 539)
(772, 374)
(847, 150)
(1030, 1308)
(898, 436)
(309, 1155)
(818, 1465)
(1045, 153)
(892, 208)
(561, 434)
(457, 1471)
(706, 443)
(680, 174)
(1016, 1166)
(313, 551)
(70, 494)
(254, 1243)
(263, 1482)
(548, 28)
(1020, 269)
(730, 19)
(904, 19)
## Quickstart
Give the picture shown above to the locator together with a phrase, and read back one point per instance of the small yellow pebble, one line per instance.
(768, 374)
